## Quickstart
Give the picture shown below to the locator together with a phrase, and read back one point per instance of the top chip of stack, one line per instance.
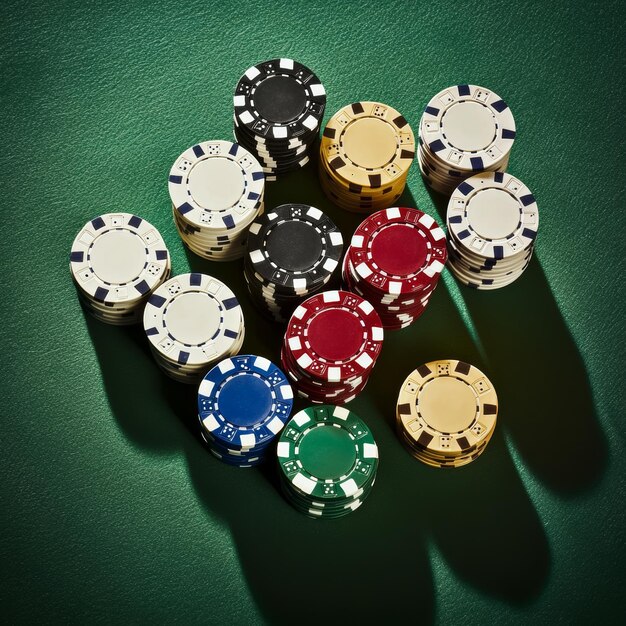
(217, 190)
(292, 253)
(366, 151)
(464, 130)
(193, 321)
(394, 261)
(243, 403)
(117, 261)
(279, 106)
(492, 225)
(446, 413)
(327, 459)
(331, 345)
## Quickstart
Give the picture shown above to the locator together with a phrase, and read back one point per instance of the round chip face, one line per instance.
(399, 250)
(193, 319)
(368, 144)
(217, 186)
(447, 407)
(244, 401)
(279, 100)
(493, 215)
(118, 258)
(327, 453)
(295, 246)
(468, 127)
(335, 336)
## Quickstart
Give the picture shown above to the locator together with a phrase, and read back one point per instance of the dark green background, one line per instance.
(112, 511)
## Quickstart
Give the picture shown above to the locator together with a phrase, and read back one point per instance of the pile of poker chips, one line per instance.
(331, 345)
(327, 460)
(243, 403)
(193, 321)
(117, 260)
(217, 189)
(464, 130)
(394, 261)
(366, 151)
(279, 106)
(492, 225)
(446, 413)
(292, 253)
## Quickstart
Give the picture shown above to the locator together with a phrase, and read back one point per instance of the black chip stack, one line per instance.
(279, 106)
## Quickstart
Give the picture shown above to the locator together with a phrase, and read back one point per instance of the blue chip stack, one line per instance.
(243, 403)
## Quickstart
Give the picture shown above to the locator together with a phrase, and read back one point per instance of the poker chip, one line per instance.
(217, 190)
(464, 130)
(446, 413)
(243, 404)
(365, 154)
(193, 321)
(331, 345)
(327, 459)
(278, 109)
(492, 225)
(117, 260)
(292, 253)
(394, 261)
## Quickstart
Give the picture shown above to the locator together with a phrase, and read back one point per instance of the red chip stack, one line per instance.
(394, 261)
(331, 345)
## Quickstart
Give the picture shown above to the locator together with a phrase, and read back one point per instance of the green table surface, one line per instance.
(111, 509)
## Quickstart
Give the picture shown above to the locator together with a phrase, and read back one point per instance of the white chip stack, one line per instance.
(192, 322)
(464, 130)
(117, 261)
(492, 225)
(217, 190)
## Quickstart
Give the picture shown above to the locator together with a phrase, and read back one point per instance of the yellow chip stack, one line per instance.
(366, 151)
(446, 413)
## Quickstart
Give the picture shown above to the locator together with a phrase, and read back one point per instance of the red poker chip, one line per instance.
(334, 336)
(398, 251)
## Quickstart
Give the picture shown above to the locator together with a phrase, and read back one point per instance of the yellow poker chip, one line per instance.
(368, 144)
(447, 408)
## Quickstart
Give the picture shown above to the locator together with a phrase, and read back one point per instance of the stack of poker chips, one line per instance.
(394, 261)
(193, 321)
(331, 345)
(243, 404)
(366, 151)
(492, 225)
(279, 106)
(217, 190)
(292, 253)
(327, 460)
(446, 413)
(117, 260)
(464, 130)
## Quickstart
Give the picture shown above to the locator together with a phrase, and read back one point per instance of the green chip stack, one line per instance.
(328, 461)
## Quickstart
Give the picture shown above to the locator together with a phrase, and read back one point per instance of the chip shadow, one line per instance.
(546, 404)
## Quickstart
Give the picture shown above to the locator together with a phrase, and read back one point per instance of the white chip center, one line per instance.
(216, 184)
(447, 404)
(493, 214)
(192, 318)
(469, 126)
(118, 256)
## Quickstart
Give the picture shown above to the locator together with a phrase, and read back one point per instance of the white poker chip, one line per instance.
(117, 260)
(464, 130)
(192, 321)
(217, 189)
(493, 222)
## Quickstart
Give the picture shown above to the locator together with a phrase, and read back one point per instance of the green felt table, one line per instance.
(111, 509)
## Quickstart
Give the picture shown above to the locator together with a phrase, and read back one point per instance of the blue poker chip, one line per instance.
(244, 402)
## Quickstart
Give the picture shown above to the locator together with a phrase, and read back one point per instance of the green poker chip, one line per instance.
(328, 461)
